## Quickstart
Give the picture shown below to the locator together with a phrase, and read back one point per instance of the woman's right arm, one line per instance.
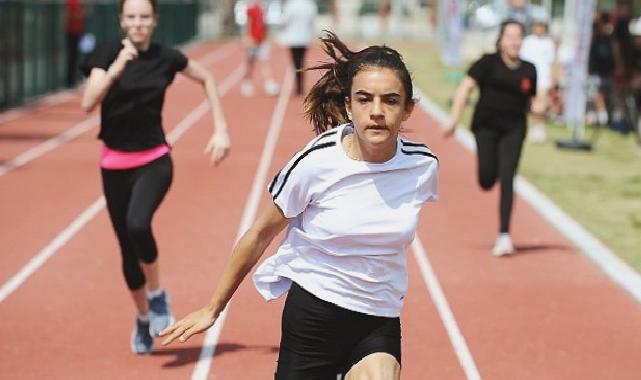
(100, 81)
(245, 255)
(458, 105)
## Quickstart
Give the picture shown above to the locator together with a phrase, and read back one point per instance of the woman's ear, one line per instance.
(348, 108)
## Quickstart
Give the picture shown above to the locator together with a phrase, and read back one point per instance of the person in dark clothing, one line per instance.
(74, 27)
(507, 85)
(601, 67)
(623, 47)
(129, 79)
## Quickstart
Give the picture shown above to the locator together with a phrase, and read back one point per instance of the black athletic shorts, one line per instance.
(320, 339)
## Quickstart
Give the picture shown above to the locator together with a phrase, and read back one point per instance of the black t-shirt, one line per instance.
(601, 59)
(504, 92)
(623, 36)
(131, 112)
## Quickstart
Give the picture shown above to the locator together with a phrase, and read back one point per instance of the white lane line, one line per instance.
(203, 366)
(86, 125)
(444, 311)
(90, 212)
(203, 107)
(615, 268)
(47, 101)
(59, 241)
(49, 145)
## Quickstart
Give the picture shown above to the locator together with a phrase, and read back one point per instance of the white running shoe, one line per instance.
(247, 88)
(271, 88)
(503, 246)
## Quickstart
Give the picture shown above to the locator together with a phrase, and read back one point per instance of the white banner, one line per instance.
(450, 31)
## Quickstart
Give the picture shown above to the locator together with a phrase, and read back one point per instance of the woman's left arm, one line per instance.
(218, 145)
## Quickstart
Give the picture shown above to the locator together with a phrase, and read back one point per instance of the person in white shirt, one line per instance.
(539, 48)
(350, 199)
(298, 20)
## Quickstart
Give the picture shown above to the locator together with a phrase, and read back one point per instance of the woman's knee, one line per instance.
(138, 228)
(377, 366)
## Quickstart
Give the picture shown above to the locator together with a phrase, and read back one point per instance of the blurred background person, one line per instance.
(600, 69)
(299, 21)
(74, 27)
(539, 48)
(255, 36)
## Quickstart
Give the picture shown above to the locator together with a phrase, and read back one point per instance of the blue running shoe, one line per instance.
(141, 340)
(159, 314)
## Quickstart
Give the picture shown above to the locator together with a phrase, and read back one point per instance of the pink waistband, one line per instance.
(117, 159)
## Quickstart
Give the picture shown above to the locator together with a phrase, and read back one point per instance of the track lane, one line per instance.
(548, 313)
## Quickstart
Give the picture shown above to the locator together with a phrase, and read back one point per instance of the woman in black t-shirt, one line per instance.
(506, 85)
(129, 79)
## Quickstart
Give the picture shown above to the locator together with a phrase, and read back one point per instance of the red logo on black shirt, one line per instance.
(526, 85)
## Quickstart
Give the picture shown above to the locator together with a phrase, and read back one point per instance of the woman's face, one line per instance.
(510, 42)
(378, 106)
(138, 21)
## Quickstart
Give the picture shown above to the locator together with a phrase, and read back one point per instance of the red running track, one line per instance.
(546, 313)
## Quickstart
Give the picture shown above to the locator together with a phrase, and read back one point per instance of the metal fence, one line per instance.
(33, 44)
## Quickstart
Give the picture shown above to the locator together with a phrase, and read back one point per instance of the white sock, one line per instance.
(143, 318)
(154, 293)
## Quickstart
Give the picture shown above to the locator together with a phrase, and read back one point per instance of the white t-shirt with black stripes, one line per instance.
(352, 222)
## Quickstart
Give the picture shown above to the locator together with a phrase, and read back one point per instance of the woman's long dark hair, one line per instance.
(325, 104)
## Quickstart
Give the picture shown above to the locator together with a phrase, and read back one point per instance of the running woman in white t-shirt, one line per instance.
(350, 200)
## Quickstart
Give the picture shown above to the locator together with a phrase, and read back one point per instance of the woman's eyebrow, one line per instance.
(390, 94)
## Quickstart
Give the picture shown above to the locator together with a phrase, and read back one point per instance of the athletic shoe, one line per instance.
(247, 88)
(503, 246)
(159, 314)
(141, 340)
(271, 88)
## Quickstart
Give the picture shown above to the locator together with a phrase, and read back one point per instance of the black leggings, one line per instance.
(133, 195)
(298, 57)
(498, 153)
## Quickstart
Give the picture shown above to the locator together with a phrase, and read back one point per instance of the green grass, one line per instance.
(600, 189)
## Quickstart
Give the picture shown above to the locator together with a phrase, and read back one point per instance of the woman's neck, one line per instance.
(361, 152)
(511, 62)
(143, 46)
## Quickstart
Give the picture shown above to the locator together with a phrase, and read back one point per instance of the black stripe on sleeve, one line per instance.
(420, 152)
(308, 151)
(273, 183)
(318, 138)
(409, 143)
(324, 135)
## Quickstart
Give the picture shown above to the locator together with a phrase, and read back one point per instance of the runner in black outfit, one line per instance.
(128, 79)
(507, 84)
